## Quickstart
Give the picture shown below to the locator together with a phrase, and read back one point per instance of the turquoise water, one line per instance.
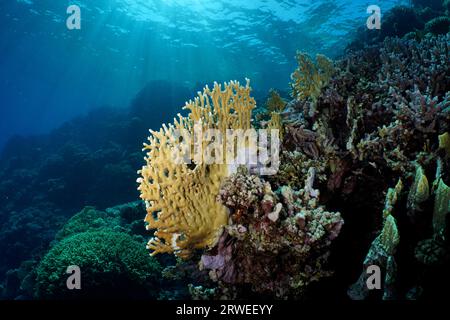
(49, 74)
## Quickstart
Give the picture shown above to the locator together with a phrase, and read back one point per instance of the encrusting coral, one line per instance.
(181, 196)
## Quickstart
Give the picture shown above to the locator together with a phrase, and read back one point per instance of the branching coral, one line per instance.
(275, 102)
(384, 113)
(229, 108)
(294, 168)
(406, 64)
(310, 77)
(304, 140)
(181, 196)
(241, 190)
(276, 123)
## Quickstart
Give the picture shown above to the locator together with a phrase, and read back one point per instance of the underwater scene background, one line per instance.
(363, 120)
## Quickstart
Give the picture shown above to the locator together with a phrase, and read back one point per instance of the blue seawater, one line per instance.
(48, 74)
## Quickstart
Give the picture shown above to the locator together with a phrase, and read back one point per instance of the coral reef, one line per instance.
(380, 112)
(354, 128)
(109, 248)
(399, 120)
(124, 221)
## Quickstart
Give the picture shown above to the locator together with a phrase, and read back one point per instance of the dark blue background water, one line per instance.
(49, 74)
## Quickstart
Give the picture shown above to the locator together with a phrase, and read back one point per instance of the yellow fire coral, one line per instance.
(276, 123)
(275, 102)
(181, 197)
(309, 78)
